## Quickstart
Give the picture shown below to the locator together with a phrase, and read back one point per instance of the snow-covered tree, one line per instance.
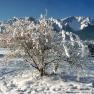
(36, 42)
(76, 51)
(43, 47)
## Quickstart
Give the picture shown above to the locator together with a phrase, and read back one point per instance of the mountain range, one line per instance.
(82, 26)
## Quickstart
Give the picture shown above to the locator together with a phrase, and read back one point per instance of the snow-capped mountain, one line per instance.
(83, 26)
(77, 23)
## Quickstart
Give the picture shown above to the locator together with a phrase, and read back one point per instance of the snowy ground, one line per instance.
(17, 77)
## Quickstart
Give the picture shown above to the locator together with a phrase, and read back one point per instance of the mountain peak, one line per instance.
(78, 22)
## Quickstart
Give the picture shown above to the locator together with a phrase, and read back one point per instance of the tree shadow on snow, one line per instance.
(81, 79)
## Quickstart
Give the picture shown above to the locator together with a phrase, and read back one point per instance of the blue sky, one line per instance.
(56, 8)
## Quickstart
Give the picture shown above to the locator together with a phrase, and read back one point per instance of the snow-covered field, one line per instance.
(17, 77)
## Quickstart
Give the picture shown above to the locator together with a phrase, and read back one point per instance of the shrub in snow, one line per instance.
(45, 48)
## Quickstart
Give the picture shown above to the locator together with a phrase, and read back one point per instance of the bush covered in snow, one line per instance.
(43, 47)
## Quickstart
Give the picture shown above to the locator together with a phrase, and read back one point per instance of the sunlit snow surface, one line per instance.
(17, 77)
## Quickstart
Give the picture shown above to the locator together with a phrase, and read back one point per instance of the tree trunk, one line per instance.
(42, 72)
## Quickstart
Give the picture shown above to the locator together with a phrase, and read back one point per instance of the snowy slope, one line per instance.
(17, 77)
(25, 82)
